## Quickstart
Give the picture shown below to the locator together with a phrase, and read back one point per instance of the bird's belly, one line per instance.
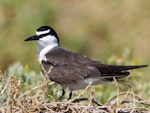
(75, 86)
(82, 84)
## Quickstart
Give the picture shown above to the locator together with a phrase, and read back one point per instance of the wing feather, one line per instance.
(69, 67)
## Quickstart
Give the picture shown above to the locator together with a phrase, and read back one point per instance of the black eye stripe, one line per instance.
(52, 32)
(40, 36)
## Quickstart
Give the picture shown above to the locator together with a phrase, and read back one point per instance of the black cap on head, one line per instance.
(52, 31)
(43, 28)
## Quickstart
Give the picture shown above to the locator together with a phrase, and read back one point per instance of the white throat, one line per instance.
(45, 45)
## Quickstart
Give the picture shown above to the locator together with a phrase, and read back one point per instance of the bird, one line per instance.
(70, 69)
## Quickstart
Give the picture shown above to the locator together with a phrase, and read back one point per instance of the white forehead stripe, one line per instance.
(42, 32)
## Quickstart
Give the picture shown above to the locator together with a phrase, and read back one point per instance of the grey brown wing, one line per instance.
(68, 66)
(69, 73)
(62, 56)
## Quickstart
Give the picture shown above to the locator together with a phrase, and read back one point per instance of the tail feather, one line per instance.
(112, 68)
(117, 71)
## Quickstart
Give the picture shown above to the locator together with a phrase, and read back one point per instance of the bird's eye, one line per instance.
(42, 35)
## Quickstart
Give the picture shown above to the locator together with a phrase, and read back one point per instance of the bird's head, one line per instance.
(44, 35)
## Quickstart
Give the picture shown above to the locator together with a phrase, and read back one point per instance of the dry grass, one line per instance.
(36, 100)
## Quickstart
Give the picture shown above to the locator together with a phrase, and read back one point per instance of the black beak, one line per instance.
(35, 37)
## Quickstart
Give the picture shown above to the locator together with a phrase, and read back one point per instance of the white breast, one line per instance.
(44, 51)
(45, 45)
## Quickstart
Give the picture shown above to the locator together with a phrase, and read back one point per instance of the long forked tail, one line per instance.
(117, 71)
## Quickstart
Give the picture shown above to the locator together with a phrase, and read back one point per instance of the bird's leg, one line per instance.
(70, 94)
(63, 93)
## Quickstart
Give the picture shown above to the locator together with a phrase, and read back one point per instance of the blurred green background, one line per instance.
(100, 29)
